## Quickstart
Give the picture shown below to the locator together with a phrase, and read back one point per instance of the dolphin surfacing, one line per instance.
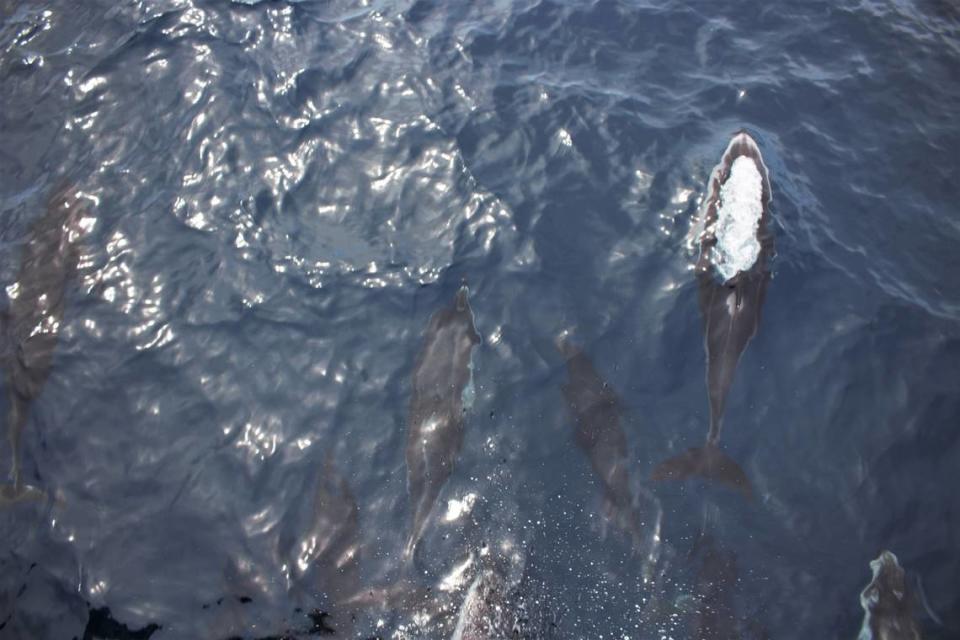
(887, 603)
(440, 379)
(31, 324)
(736, 246)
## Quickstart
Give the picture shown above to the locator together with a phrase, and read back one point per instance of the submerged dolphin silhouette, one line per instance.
(441, 377)
(732, 282)
(330, 547)
(31, 325)
(596, 408)
(716, 579)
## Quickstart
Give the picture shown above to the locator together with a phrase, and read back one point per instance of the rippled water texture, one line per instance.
(278, 196)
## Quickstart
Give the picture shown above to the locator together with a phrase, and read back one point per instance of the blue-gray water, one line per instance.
(283, 193)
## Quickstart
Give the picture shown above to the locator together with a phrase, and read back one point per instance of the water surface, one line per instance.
(285, 192)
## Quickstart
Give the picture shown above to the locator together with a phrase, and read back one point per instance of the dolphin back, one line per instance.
(729, 305)
(31, 324)
(442, 384)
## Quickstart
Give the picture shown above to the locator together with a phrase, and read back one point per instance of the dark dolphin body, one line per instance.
(435, 425)
(731, 315)
(325, 564)
(31, 325)
(596, 409)
(329, 550)
(887, 603)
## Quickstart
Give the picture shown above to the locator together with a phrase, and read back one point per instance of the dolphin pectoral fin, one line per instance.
(708, 462)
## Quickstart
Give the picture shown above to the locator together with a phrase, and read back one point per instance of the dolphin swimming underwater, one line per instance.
(596, 409)
(736, 246)
(887, 604)
(31, 324)
(330, 547)
(507, 600)
(441, 379)
(325, 567)
(716, 578)
(484, 613)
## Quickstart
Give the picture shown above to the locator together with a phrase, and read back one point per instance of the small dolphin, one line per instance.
(31, 325)
(330, 546)
(886, 602)
(596, 409)
(716, 579)
(442, 384)
(326, 561)
(732, 275)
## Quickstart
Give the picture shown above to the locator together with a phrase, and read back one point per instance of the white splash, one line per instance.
(739, 209)
(456, 509)
(457, 576)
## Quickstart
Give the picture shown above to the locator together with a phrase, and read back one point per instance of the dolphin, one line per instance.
(485, 611)
(716, 578)
(736, 245)
(326, 561)
(506, 601)
(330, 547)
(596, 409)
(442, 388)
(886, 602)
(31, 324)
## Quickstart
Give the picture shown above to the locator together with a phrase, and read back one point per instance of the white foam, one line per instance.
(739, 209)
(456, 509)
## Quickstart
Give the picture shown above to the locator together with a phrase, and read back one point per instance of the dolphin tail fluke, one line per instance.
(708, 462)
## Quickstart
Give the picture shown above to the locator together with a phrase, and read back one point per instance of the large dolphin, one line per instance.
(442, 384)
(31, 325)
(596, 409)
(887, 604)
(736, 246)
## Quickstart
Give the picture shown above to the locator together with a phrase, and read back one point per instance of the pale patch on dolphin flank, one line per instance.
(739, 210)
(469, 393)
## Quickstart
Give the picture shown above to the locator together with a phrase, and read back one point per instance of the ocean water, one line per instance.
(279, 195)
